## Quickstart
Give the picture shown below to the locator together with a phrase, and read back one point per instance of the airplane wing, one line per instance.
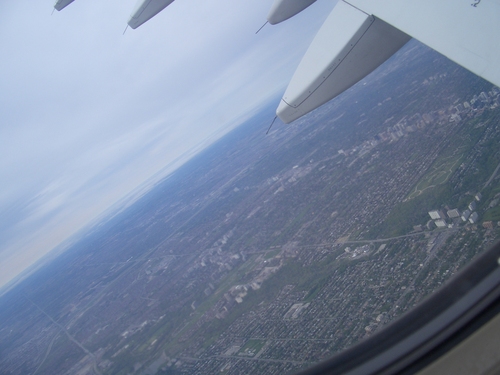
(359, 35)
(145, 10)
(61, 4)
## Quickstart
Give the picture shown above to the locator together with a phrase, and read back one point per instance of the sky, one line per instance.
(88, 113)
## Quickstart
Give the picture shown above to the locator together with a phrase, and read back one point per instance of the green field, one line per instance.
(272, 254)
(492, 214)
(439, 172)
(251, 347)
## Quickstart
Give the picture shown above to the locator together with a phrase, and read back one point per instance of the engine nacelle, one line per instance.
(284, 9)
(61, 4)
(145, 10)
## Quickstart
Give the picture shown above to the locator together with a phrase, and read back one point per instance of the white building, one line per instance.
(440, 223)
(472, 205)
(465, 215)
(435, 215)
(473, 218)
(452, 214)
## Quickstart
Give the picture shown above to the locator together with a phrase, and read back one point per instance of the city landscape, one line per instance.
(270, 253)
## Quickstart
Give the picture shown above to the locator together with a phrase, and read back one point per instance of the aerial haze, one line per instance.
(270, 253)
(89, 114)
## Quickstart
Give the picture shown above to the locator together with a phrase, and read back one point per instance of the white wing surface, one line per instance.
(145, 10)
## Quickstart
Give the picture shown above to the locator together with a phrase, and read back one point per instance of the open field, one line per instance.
(439, 173)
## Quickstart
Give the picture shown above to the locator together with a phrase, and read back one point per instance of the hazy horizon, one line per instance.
(91, 114)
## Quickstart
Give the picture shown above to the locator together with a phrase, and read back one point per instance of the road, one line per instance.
(440, 240)
(492, 176)
(65, 331)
